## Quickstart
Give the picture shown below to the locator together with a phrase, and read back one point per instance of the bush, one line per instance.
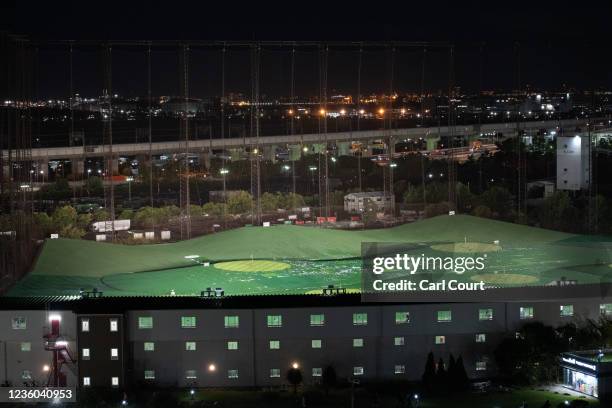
(482, 211)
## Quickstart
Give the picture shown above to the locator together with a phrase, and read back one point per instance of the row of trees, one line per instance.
(439, 380)
(532, 355)
(561, 211)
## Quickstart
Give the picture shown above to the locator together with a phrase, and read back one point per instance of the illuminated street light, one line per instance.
(212, 368)
(322, 112)
(290, 112)
(361, 111)
(46, 368)
(305, 149)
(295, 365)
(255, 151)
(381, 111)
(342, 112)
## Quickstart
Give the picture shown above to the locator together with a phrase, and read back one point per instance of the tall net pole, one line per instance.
(255, 153)
(185, 179)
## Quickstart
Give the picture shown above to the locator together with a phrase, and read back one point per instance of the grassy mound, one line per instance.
(505, 278)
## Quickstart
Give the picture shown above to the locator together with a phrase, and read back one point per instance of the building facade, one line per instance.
(253, 341)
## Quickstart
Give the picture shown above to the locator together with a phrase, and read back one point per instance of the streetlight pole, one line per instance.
(129, 181)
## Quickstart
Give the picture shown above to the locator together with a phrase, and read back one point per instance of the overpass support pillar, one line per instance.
(269, 153)
(344, 148)
(205, 159)
(78, 167)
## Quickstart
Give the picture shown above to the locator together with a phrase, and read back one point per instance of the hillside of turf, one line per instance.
(80, 258)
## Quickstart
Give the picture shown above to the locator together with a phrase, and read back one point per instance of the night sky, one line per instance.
(559, 44)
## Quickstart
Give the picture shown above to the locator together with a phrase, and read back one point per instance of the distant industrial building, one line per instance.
(357, 202)
(573, 164)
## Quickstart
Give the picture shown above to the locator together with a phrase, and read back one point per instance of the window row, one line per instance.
(314, 372)
(113, 324)
(314, 343)
(87, 381)
(86, 354)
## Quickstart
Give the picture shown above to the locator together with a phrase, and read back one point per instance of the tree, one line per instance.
(433, 210)
(94, 185)
(42, 221)
(270, 202)
(442, 377)
(294, 376)
(126, 214)
(429, 376)
(292, 201)
(213, 209)
(461, 377)
(498, 200)
(101, 214)
(239, 203)
(482, 211)
(532, 357)
(329, 378)
(370, 209)
(63, 217)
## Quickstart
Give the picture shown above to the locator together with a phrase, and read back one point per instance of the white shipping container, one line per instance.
(106, 226)
(100, 237)
(149, 235)
(165, 235)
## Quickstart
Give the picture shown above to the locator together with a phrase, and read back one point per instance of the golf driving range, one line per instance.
(288, 259)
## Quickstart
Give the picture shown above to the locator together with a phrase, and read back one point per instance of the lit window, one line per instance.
(114, 354)
(275, 321)
(274, 344)
(360, 319)
(605, 309)
(114, 325)
(400, 369)
(26, 346)
(402, 317)
(481, 338)
(149, 374)
(315, 344)
(275, 373)
(440, 339)
(526, 313)
(357, 342)
(358, 370)
(567, 310)
(85, 354)
(19, 323)
(481, 365)
(485, 314)
(115, 381)
(317, 319)
(232, 373)
(145, 322)
(188, 322)
(149, 346)
(190, 345)
(84, 325)
(191, 374)
(398, 341)
(232, 345)
(445, 316)
(86, 381)
(26, 375)
(232, 321)
(317, 372)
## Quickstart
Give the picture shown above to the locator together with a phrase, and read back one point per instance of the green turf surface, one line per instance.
(315, 257)
(252, 265)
